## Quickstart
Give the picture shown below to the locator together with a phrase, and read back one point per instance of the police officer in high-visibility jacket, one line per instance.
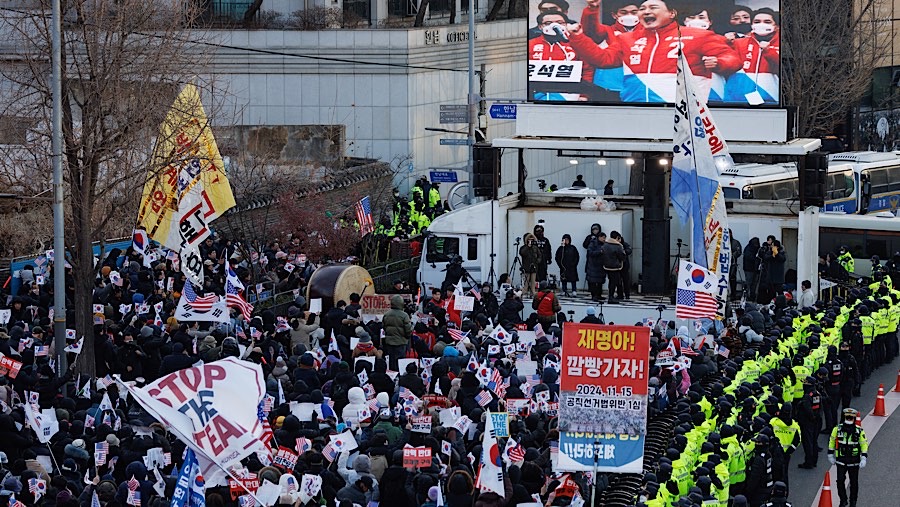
(845, 259)
(787, 433)
(848, 448)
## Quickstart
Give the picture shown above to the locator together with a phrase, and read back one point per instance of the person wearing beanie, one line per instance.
(591, 316)
(432, 497)
(306, 371)
(365, 347)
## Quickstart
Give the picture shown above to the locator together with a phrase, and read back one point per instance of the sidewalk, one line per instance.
(806, 485)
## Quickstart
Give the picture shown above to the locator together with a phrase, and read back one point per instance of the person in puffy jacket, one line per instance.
(593, 266)
(531, 257)
(397, 331)
(357, 402)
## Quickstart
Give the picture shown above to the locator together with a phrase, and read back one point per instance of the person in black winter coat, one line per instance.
(488, 304)
(543, 245)
(395, 483)
(593, 266)
(510, 311)
(568, 258)
(759, 472)
(751, 268)
(177, 360)
(412, 381)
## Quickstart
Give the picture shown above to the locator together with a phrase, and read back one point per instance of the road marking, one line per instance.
(871, 424)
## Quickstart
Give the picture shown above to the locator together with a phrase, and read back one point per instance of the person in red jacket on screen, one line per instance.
(757, 82)
(649, 54)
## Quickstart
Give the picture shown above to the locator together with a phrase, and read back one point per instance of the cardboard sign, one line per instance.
(464, 303)
(518, 406)
(500, 420)
(379, 304)
(421, 424)
(416, 457)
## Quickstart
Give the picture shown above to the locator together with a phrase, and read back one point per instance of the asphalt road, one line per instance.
(878, 481)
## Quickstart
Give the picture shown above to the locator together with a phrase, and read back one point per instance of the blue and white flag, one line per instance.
(189, 488)
(699, 153)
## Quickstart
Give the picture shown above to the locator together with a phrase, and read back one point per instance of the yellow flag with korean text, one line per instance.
(186, 187)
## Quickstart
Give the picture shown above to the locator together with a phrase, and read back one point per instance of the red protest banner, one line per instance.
(416, 457)
(9, 366)
(603, 378)
(251, 482)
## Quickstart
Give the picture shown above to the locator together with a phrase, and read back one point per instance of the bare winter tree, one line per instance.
(829, 49)
(123, 63)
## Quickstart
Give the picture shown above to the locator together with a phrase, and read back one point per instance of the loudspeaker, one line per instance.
(486, 170)
(813, 175)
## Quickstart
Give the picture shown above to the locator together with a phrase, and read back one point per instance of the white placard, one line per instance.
(525, 367)
(421, 424)
(4, 316)
(401, 363)
(315, 305)
(464, 303)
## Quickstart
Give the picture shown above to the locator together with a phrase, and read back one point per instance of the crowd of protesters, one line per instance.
(729, 442)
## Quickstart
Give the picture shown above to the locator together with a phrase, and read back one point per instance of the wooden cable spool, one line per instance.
(336, 282)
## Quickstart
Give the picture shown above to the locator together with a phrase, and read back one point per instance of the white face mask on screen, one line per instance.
(762, 29)
(697, 23)
(628, 20)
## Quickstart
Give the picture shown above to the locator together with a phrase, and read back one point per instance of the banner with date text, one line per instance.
(603, 397)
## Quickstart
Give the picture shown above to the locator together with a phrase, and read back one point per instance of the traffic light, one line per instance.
(812, 179)
(486, 170)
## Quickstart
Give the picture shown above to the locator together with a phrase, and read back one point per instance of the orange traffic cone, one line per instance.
(879, 403)
(825, 495)
(897, 387)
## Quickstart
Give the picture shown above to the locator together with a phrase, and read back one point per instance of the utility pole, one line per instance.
(473, 114)
(59, 244)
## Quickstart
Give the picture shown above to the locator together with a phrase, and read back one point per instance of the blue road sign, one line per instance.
(503, 111)
(454, 142)
(443, 176)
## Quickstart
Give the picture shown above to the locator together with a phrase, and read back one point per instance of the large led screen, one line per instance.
(624, 52)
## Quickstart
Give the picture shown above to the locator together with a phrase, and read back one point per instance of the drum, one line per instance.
(336, 282)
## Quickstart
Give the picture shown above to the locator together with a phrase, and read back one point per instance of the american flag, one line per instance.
(37, 487)
(134, 498)
(233, 298)
(475, 293)
(13, 502)
(267, 434)
(695, 305)
(514, 451)
(101, 451)
(201, 304)
(456, 334)
(246, 501)
(496, 379)
(133, 483)
(483, 398)
(41, 350)
(364, 216)
(329, 452)
(303, 444)
(723, 351)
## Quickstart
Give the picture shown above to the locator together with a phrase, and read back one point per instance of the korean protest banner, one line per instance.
(416, 457)
(213, 409)
(603, 397)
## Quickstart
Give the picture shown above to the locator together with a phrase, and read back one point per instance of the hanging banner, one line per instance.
(699, 154)
(603, 397)
(186, 187)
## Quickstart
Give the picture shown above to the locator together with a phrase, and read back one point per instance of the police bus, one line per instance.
(780, 182)
(876, 176)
